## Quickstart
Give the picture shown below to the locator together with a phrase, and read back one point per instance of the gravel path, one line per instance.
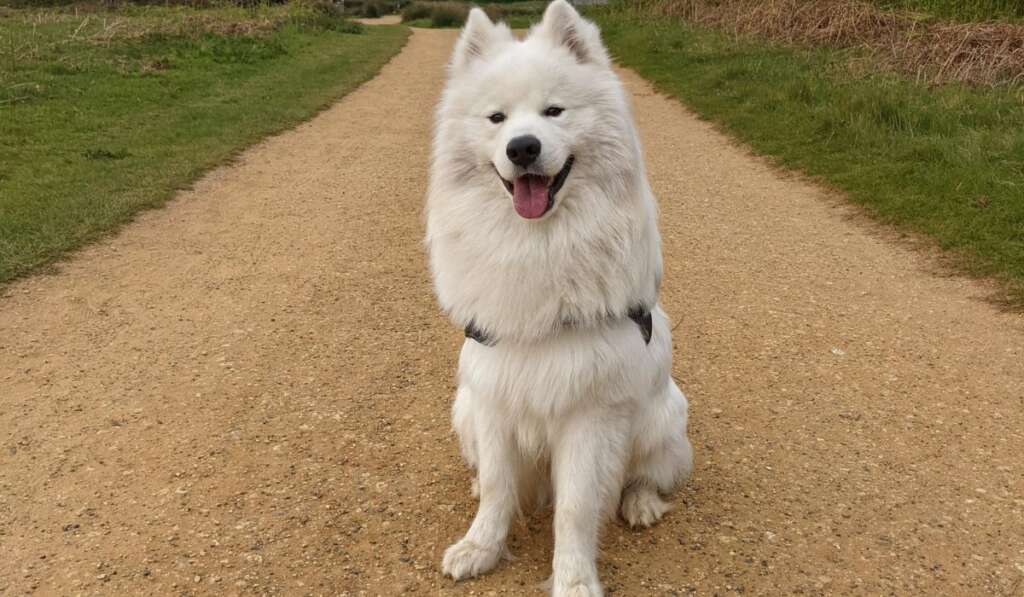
(248, 391)
(384, 20)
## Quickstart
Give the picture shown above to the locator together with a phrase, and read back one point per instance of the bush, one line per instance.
(527, 9)
(371, 10)
(416, 11)
(346, 26)
(453, 14)
(324, 7)
(328, 23)
(495, 12)
(448, 15)
(353, 7)
(327, 16)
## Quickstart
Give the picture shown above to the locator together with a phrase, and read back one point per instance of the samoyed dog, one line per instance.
(543, 242)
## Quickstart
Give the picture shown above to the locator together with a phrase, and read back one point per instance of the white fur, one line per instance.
(589, 405)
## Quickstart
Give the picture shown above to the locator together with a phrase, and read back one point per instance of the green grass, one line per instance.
(947, 162)
(105, 114)
(962, 10)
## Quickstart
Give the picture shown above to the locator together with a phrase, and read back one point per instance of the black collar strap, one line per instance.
(640, 315)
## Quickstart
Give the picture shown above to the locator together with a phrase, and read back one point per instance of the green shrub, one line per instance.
(325, 7)
(448, 14)
(528, 9)
(354, 8)
(371, 10)
(416, 11)
(329, 22)
(453, 14)
(495, 12)
(346, 26)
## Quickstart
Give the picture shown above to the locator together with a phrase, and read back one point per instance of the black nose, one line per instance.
(523, 150)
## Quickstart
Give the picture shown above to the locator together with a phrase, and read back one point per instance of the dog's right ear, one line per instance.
(478, 36)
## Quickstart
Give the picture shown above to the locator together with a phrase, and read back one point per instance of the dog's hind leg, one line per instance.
(499, 471)
(662, 458)
(642, 505)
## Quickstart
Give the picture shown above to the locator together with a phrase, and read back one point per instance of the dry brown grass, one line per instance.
(98, 25)
(978, 53)
(935, 52)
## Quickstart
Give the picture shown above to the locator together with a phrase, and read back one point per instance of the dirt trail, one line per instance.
(248, 391)
(384, 20)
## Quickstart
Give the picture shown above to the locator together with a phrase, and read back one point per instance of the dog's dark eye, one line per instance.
(496, 118)
(553, 111)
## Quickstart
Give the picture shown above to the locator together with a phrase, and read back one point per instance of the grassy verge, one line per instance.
(945, 161)
(104, 114)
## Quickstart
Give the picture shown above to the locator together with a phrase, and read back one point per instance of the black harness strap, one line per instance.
(640, 315)
(474, 333)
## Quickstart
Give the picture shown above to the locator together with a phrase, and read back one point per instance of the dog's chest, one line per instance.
(533, 437)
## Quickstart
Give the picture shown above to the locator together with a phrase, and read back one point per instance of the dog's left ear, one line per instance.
(565, 27)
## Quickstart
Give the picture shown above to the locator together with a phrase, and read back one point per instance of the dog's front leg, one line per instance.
(588, 466)
(499, 471)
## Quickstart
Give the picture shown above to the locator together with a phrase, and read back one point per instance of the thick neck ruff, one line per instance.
(640, 315)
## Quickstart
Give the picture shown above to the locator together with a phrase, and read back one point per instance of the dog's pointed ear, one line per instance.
(565, 27)
(478, 36)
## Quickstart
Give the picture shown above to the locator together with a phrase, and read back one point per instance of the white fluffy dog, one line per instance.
(544, 244)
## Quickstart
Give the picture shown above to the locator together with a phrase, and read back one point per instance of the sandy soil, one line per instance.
(248, 391)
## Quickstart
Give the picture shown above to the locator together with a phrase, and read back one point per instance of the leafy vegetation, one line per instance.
(106, 113)
(371, 8)
(518, 15)
(946, 161)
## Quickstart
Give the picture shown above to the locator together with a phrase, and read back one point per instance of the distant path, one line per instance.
(384, 20)
(248, 391)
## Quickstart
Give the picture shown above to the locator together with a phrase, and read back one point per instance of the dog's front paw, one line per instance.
(575, 577)
(642, 506)
(467, 559)
(589, 588)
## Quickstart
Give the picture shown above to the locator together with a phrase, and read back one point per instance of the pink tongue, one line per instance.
(530, 195)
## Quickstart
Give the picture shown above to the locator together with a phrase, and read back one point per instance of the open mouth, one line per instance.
(533, 195)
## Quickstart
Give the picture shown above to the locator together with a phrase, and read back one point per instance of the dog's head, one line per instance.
(534, 115)
(538, 209)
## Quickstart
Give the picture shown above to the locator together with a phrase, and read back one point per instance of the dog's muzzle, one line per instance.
(533, 195)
